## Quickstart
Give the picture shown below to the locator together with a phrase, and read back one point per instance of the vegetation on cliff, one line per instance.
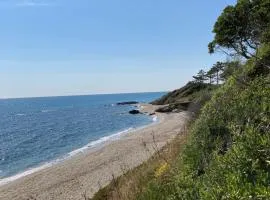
(227, 155)
(228, 152)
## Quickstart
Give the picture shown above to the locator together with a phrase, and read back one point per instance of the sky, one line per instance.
(78, 47)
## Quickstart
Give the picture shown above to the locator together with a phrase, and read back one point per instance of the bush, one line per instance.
(228, 154)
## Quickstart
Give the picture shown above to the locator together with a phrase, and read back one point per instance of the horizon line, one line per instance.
(74, 95)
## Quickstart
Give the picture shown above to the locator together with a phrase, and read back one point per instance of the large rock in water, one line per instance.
(134, 112)
(127, 103)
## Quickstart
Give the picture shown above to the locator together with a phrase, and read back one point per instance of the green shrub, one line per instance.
(228, 154)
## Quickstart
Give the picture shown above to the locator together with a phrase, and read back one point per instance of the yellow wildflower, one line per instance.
(161, 169)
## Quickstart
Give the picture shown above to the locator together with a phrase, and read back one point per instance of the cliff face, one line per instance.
(186, 93)
(190, 97)
(228, 152)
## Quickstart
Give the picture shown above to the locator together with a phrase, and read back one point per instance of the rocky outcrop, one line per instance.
(134, 112)
(176, 107)
(127, 103)
(190, 92)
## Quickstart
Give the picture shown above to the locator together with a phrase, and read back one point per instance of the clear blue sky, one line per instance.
(70, 47)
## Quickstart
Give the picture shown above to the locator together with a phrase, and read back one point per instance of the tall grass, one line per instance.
(228, 154)
(135, 182)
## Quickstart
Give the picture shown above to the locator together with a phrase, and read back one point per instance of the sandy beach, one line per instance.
(87, 172)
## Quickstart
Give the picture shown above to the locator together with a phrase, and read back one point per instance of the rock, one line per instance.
(175, 107)
(127, 103)
(184, 104)
(134, 112)
(165, 109)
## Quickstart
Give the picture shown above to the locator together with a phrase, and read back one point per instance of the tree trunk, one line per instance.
(217, 78)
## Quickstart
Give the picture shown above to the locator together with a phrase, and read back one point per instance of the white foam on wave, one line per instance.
(155, 118)
(20, 114)
(106, 139)
(100, 141)
(7, 180)
(46, 111)
(92, 144)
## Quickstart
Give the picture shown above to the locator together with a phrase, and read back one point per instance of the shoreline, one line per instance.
(98, 164)
(91, 146)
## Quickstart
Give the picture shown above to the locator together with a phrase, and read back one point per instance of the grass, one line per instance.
(134, 182)
(158, 168)
(191, 97)
(192, 91)
(227, 155)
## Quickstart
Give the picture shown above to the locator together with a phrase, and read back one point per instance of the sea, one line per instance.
(38, 132)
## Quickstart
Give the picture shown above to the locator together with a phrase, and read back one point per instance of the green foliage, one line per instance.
(244, 171)
(190, 92)
(241, 28)
(216, 71)
(200, 77)
(230, 68)
(228, 155)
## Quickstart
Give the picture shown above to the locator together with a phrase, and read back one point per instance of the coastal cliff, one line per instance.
(226, 152)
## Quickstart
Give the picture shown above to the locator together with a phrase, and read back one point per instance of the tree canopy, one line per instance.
(240, 29)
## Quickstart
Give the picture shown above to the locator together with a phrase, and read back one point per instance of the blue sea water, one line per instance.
(34, 131)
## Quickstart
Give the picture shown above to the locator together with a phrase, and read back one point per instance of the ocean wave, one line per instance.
(7, 180)
(155, 118)
(83, 149)
(20, 114)
(100, 141)
(46, 111)
(92, 144)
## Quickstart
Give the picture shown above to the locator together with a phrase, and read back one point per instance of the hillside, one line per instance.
(190, 97)
(226, 154)
(189, 92)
